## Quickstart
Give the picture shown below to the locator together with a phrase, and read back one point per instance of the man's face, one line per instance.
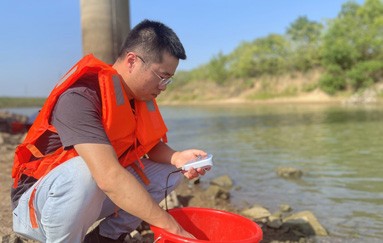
(148, 80)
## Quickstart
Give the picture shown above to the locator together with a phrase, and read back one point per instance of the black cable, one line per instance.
(166, 187)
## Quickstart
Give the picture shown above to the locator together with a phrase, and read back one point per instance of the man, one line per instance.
(97, 148)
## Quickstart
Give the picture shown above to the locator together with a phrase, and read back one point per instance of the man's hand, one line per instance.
(178, 230)
(180, 158)
(162, 153)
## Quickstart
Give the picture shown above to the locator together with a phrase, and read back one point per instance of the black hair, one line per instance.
(151, 39)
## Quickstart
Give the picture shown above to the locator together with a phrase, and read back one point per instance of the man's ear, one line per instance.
(130, 59)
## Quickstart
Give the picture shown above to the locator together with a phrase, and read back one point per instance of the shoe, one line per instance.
(95, 237)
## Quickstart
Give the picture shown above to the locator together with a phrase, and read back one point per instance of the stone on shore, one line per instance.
(289, 172)
(306, 223)
(256, 212)
(222, 181)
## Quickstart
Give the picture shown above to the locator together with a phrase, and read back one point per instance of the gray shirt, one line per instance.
(77, 117)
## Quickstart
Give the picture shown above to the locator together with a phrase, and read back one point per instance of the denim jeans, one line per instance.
(68, 201)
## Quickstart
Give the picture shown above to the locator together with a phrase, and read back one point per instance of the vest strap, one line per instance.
(34, 150)
(32, 211)
(142, 175)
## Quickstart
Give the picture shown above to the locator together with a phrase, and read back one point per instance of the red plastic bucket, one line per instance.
(210, 225)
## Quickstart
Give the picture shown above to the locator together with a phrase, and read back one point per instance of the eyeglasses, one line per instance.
(163, 81)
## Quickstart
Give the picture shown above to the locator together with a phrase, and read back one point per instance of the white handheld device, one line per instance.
(202, 163)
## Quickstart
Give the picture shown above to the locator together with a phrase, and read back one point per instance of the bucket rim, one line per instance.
(162, 233)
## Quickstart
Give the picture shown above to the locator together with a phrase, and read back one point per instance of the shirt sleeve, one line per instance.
(77, 117)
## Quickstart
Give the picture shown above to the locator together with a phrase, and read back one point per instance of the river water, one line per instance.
(338, 148)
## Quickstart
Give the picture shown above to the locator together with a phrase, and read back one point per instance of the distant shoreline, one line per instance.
(312, 98)
(315, 97)
(15, 102)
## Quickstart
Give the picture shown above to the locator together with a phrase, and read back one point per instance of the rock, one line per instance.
(306, 223)
(195, 181)
(135, 237)
(274, 221)
(285, 208)
(289, 172)
(148, 236)
(222, 181)
(214, 192)
(256, 212)
(171, 200)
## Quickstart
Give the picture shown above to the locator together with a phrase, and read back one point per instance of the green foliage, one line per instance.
(217, 69)
(333, 80)
(331, 83)
(263, 56)
(242, 63)
(364, 74)
(348, 49)
(305, 41)
(354, 43)
(305, 31)
(340, 53)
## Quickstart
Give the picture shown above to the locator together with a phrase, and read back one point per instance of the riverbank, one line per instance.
(199, 190)
(368, 96)
(13, 102)
(284, 225)
(189, 95)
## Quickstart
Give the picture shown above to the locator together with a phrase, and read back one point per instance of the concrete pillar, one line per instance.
(104, 24)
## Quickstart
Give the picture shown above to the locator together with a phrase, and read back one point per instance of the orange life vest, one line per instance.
(131, 133)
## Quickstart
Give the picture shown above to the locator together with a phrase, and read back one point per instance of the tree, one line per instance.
(263, 56)
(217, 69)
(305, 36)
(305, 31)
(354, 44)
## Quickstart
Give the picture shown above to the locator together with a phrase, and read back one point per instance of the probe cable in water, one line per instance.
(203, 163)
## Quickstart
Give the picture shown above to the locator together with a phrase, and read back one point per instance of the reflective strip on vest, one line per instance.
(150, 105)
(118, 90)
(67, 75)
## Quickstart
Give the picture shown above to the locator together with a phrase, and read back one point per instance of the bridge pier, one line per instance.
(104, 24)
